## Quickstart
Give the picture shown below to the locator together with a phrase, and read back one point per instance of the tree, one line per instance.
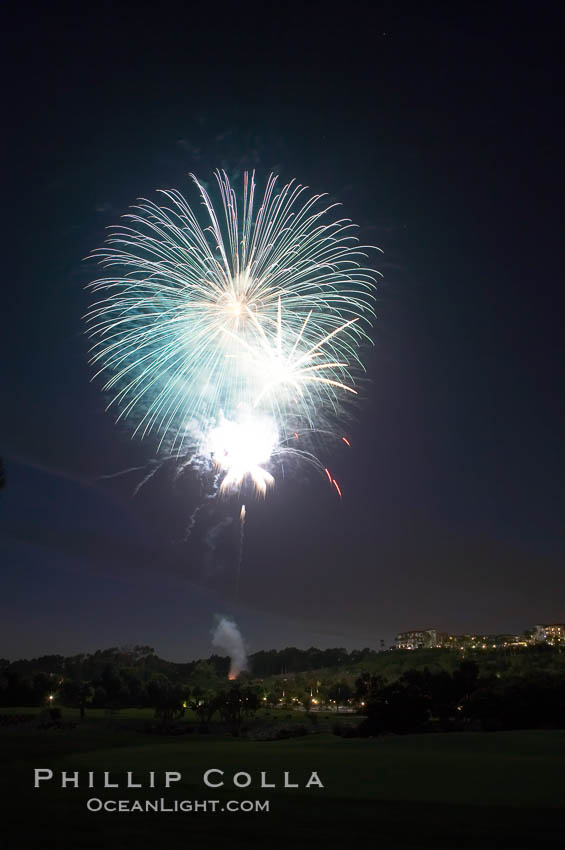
(77, 694)
(166, 698)
(112, 685)
(339, 693)
(235, 704)
(367, 685)
(204, 703)
(206, 676)
(465, 679)
(401, 707)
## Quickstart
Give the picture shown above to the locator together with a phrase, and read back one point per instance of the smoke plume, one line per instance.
(226, 637)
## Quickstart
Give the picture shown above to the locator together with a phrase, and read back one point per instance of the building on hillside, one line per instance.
(496, 641)
(434, 639)
(554, 633)
(421, 639)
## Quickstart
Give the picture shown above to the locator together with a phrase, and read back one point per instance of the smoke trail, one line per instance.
(240, 557)
(156, 467)
(198, 508)
(214, 559)
(121, 472)
(226, 636)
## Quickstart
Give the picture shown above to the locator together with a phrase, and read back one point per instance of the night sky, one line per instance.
(441, 132)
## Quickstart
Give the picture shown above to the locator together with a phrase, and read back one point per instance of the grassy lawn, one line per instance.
(434, 792)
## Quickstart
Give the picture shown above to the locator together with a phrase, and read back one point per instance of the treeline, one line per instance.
(273, 662)
(114, 678)
(141, 663)
(90, 666)
(140, 660)
(421, 701)
(143, 659)
(465, 696)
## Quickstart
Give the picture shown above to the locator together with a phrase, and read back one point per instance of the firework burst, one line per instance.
(235, 325)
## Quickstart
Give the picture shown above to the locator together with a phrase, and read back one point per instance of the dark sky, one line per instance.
(441, 132)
